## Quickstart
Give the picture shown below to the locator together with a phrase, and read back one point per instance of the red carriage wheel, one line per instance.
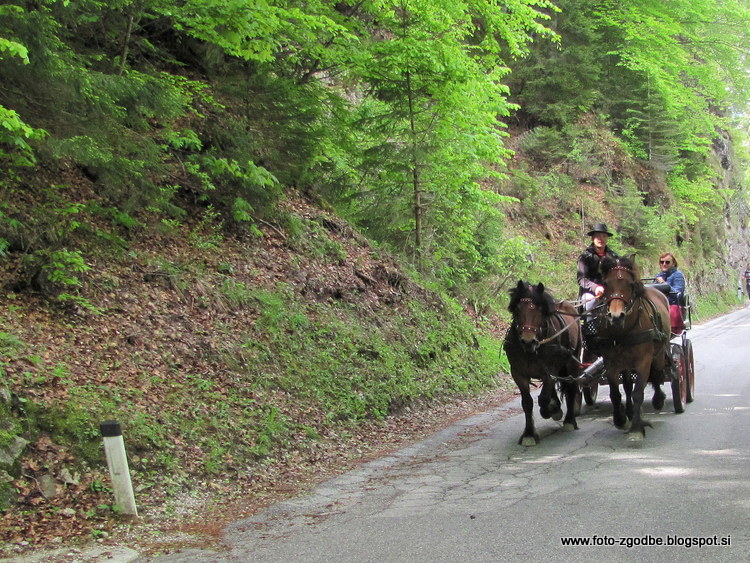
(679, 379)
(690, 368)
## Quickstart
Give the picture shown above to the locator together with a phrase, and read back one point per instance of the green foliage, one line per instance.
(315, 240)
(236, 294)
(710, 305)
(545, 145)
(509, 262)
(10, 344)
(58, 274)
(644, 227)
(369, 373)
(556, 82)
(14, 133)
(271, 429)
(13, 48)
(430, 133)
(698, 196)
(196, 120)
(75, 426)
(260, 32)
(8, 494)
(404, 134)
(207, 233)
(658, 73)
(63, 267)
(15, 136)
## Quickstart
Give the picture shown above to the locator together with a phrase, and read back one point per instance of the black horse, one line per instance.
(543, 343)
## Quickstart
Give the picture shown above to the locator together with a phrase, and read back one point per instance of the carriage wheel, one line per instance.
(679, 379)
(690, 367)
(590, 392)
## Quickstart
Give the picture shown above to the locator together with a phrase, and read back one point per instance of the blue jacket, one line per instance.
(676, 281)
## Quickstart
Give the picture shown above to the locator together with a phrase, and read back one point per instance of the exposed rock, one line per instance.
(48, 486)
(9, 454)
(68, 478)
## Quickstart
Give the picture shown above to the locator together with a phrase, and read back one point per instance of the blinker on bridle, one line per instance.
(619, 270)
(528, 328)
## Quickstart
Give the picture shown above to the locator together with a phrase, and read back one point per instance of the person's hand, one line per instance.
(599, 291)
(660, 279)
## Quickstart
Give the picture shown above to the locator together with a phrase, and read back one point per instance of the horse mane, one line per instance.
(628, 262)
(537, 293)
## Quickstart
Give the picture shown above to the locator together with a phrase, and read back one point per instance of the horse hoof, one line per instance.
(568, 427)
(528, 441)
(627, 425)
(557, 415)
(635, 437)
(658, 401)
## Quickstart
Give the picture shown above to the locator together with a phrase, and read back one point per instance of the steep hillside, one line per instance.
(245, 368)
(241, 371)
(274, 238)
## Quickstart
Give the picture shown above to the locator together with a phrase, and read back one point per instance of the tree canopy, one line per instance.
(397, 113)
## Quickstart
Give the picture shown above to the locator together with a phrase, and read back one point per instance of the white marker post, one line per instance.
(114, 448)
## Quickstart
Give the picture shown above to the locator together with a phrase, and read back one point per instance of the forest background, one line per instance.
(261, 235)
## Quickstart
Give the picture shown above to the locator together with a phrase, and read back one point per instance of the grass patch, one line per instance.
(357, 368)
(714, 304)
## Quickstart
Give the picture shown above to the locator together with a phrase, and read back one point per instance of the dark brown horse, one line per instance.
(633, 339)
(543, 343)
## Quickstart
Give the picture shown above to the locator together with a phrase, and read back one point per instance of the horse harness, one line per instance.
(549, 346)
(656, 334)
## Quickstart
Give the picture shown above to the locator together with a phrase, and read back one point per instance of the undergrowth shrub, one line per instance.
(545, 146)
(58, 275)
(350, 368)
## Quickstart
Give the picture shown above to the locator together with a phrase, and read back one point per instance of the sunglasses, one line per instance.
(665, 261)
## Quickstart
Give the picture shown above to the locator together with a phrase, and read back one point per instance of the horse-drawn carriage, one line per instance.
(630, 336)
(681, 375)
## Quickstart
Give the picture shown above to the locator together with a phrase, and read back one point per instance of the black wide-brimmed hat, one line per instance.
(599, 228)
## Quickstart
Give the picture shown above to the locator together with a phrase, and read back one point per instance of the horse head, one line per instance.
(622, 287)
(531, 306)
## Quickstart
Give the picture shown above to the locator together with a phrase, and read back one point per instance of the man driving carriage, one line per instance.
(589, 279)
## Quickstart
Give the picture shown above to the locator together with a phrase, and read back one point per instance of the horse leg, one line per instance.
(618, 410)
(571, 391)
(657, 379)
(657, 401)
(529, 436)
(638, 426)
(549, 403)
(627, 385)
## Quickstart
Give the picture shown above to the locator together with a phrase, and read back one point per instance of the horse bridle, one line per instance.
(548, 322)
(629, 304)
(528, 328)
(635, 299)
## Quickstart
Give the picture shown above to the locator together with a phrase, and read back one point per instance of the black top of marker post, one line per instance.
(110, 428)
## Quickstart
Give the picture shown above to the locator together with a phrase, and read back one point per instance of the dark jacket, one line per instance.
(588, 275)
(676, 281)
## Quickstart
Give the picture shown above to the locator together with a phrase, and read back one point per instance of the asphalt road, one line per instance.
(471, 493)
